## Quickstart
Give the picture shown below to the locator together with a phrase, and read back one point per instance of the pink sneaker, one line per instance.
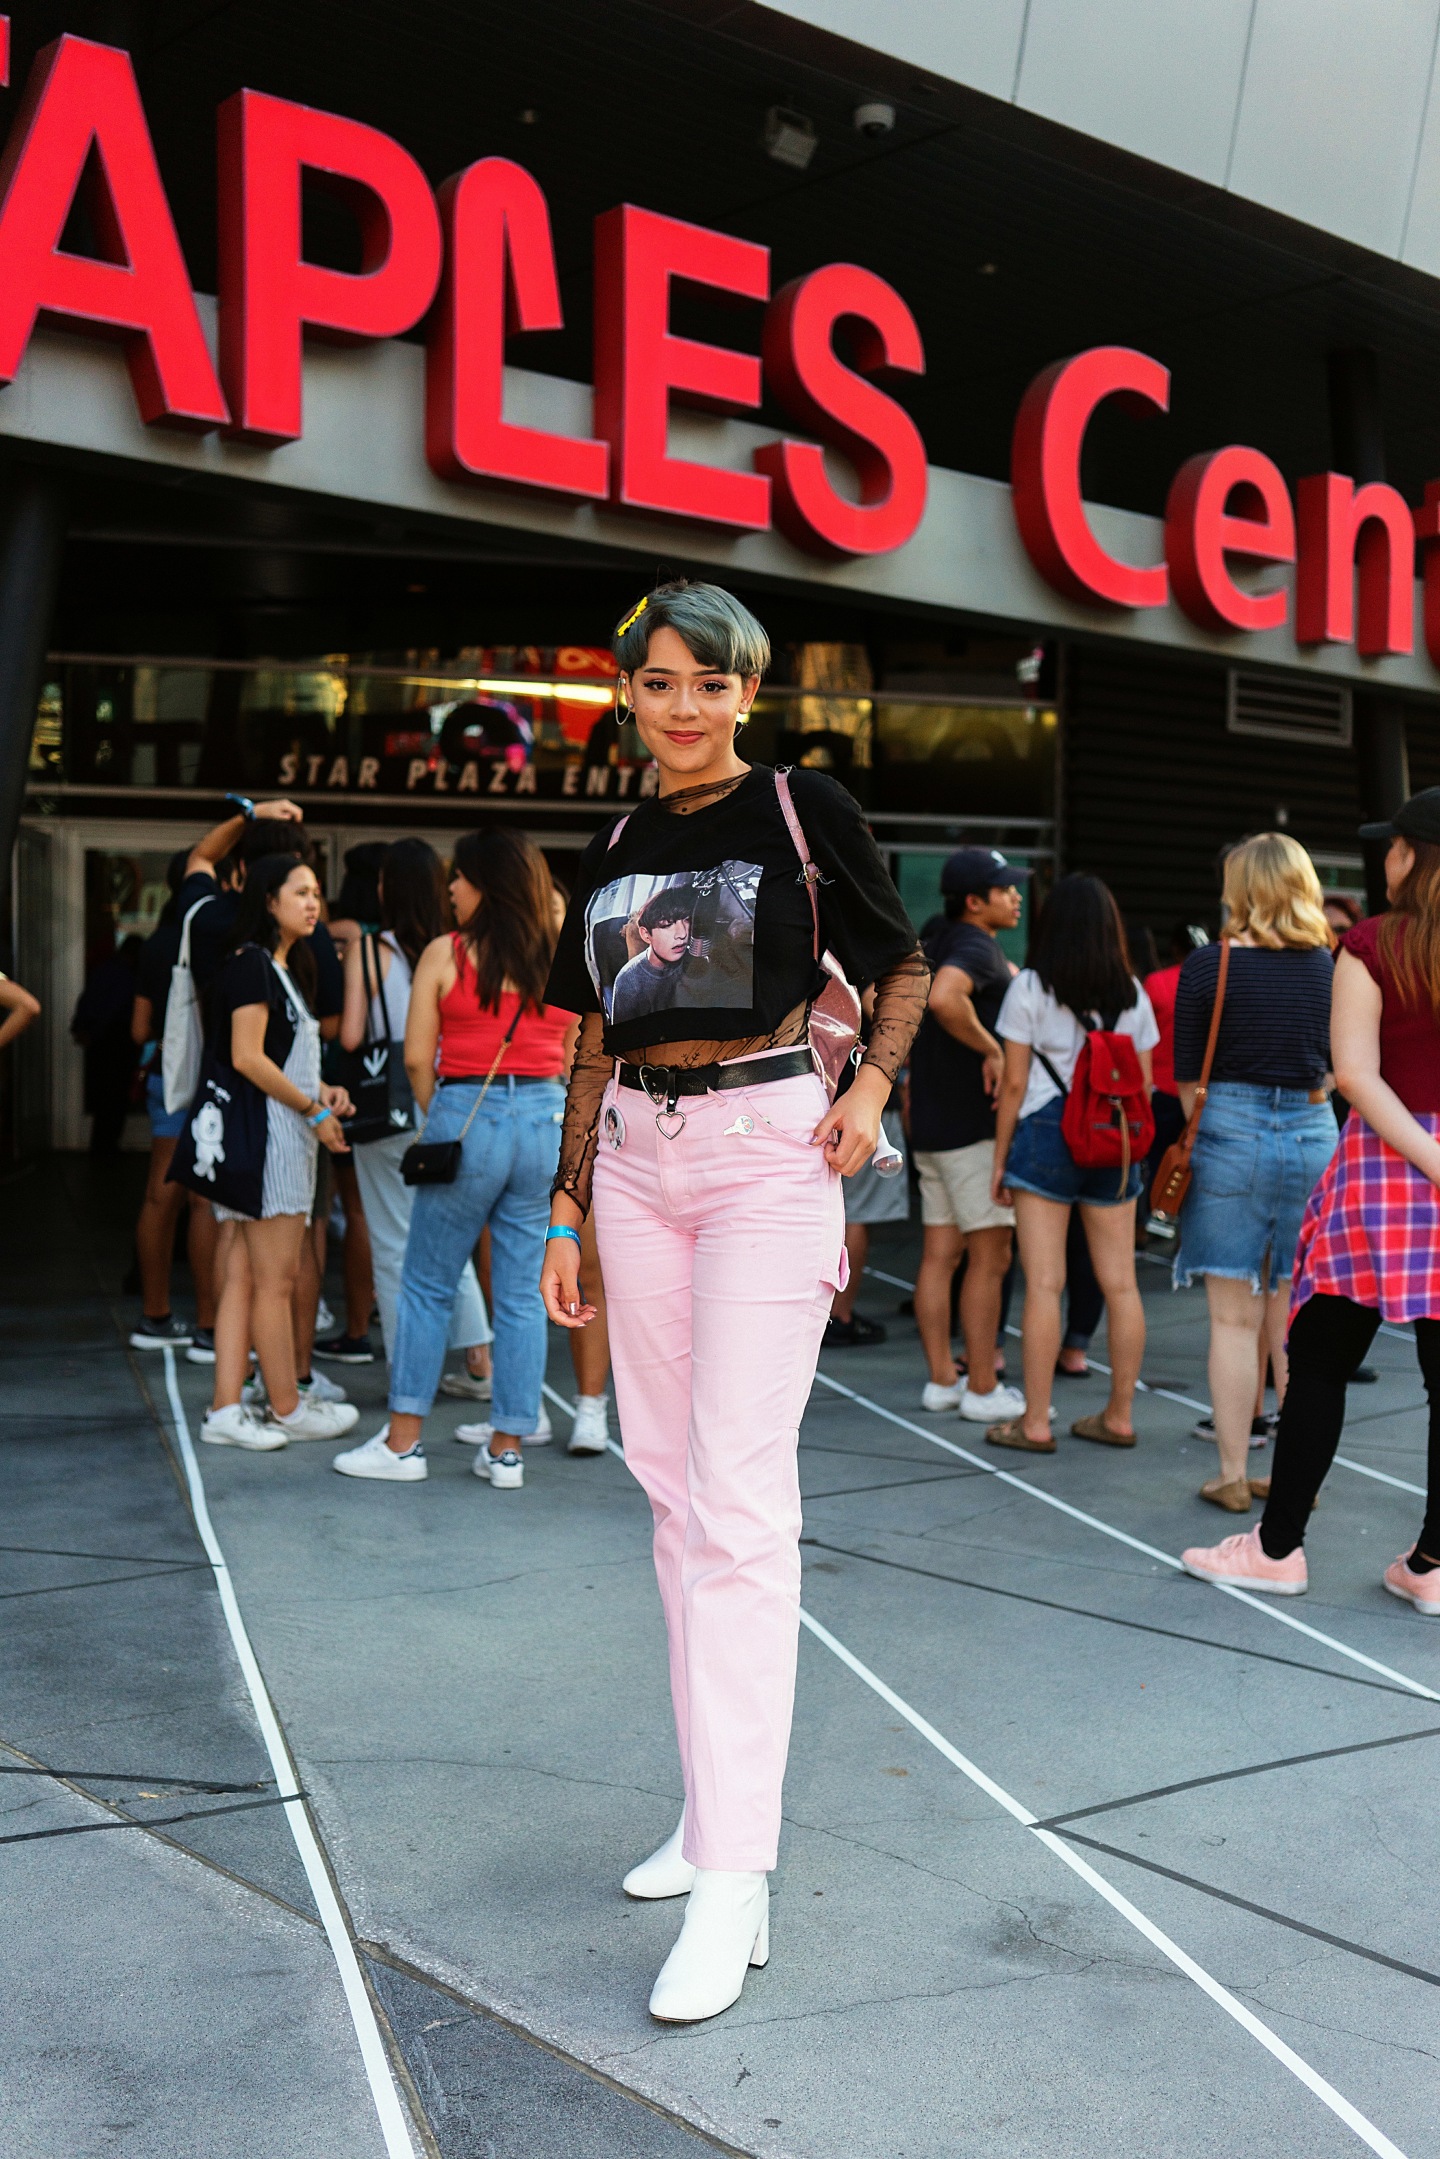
(1421, 1590)
(1242, 1559)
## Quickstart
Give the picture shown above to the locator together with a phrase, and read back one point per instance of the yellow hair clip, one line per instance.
(632, 618)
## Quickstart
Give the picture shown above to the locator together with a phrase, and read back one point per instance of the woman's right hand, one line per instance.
(560, 1284)
(331, 1134)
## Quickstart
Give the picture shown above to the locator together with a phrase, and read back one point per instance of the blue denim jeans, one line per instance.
(1258, 1155)
(506, 1169)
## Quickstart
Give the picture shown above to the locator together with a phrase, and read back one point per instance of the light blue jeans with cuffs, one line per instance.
(507, 1166)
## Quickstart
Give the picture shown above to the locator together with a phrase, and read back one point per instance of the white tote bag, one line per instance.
(184, 1037)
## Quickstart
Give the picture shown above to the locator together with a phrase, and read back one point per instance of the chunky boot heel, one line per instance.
(726, 1932)
(666, 1873)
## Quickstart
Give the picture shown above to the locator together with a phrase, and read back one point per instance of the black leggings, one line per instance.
(1328, 1338)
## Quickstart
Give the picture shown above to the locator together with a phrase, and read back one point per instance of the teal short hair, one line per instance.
(720, 631)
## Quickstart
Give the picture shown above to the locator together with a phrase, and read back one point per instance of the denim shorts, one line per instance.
(1039, 1161)
(1259, 1154)
(164, 1124)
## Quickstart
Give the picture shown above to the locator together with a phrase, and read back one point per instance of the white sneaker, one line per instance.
(317, 1420)
(372, 1458)
(480, 1435)
(318, 1388)
(325, 1320)
(468, 1386)
(505, 1471)
(590, 1433)
(253, 1394)
(234, 1427)
(1001, 1402)
(937, 1398)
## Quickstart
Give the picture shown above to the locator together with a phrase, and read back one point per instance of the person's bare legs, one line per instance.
(1272, 1339)
(275, 1248)
(857, 1246)
(202, 1244)
(1040, 1227)
(1110, 1233)
(1236, 1318)
(359, 1281)
(988, 1254)
(232, 1315)
(590, 1346)
(310, 1264)
(939, 1258)
(155, 1231)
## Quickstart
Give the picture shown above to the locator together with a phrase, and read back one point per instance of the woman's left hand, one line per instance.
(850, 1131)
(336, 1098)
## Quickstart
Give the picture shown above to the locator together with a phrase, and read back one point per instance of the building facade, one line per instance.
(1052, 381)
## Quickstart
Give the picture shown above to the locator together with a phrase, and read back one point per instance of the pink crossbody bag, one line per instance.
(835, 1013)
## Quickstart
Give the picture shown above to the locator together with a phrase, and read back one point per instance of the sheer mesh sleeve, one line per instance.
(579, 1137)
(900, 995)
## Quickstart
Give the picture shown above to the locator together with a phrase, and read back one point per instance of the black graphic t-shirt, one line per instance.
(248, 977)
(948, 1103)
(698, 928)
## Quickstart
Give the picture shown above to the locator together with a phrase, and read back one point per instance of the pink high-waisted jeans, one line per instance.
(722, 1249)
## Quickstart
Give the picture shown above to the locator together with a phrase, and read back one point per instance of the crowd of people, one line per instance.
(324, 1047)
(664, 1111)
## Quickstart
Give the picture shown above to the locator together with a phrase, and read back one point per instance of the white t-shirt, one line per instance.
(1031, 1014)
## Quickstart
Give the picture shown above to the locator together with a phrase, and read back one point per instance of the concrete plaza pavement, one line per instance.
(472, 1685)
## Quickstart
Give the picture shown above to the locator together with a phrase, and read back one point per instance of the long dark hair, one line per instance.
(512, 933)
(1079, 949)
(256, 925)
(1409, 936)
(412, 896)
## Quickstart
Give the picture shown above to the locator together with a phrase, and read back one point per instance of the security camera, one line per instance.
(874, 119)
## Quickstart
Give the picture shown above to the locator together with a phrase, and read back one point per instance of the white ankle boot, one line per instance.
(666, 1873)
(726, 1931)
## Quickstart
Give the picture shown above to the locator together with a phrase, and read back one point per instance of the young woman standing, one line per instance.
(1369, 1246)
(713, 1152)
(261, 1015)
(379, 972)
(1266, 1131)
(486, 1058)
(1079, 971)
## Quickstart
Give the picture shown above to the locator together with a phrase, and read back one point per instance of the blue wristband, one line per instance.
(560, 1231)
(319, 1116)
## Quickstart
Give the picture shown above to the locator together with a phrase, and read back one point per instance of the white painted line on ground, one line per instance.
(1186, 1401)
(394, 2126)
(1266, 1609)
(1324, 2091)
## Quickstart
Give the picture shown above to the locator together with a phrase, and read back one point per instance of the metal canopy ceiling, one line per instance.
(1012, 240)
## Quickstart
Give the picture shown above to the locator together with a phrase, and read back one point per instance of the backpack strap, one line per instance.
(1044, 1060)
(809, 871)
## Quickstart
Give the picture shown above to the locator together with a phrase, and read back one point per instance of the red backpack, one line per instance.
(1107, 1120)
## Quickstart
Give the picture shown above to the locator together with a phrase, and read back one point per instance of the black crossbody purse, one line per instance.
(438, 1161)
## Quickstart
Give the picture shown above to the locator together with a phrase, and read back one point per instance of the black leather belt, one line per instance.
(666, 1083)
(523, 1079)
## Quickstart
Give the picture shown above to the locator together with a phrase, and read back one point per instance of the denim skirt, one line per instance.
(1258, 1155)
(1040, 1161)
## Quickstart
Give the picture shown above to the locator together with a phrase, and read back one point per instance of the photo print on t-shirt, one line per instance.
(665, 944)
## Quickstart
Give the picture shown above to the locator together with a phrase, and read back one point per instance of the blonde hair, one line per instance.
(1273, 895)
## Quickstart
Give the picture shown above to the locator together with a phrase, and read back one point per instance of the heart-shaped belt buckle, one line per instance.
(670, 1123)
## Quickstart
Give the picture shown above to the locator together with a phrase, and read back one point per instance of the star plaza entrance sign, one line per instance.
(475, 264)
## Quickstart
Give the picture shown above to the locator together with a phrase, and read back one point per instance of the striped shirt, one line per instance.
(1275, 1025)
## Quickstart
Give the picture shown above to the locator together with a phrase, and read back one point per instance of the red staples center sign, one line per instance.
(476, 264)
(479, 263)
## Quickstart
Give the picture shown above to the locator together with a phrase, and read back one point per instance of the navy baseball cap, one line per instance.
(1417, 819)
(981, 869)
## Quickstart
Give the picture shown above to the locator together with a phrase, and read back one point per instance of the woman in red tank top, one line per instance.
(487, 1060)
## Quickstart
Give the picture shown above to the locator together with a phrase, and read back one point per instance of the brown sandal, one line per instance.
(1233, 1497)
(1012, 1433)
(1097, 1429)
(1260, 1489)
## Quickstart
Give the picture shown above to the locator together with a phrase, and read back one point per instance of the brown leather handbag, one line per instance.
(1172, 1179)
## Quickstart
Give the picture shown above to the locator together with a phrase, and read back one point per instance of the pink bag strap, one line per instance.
(809, 870)
(620, 825)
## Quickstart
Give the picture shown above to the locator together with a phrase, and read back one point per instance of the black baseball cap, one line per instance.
(981, 869)
(1417, 819)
